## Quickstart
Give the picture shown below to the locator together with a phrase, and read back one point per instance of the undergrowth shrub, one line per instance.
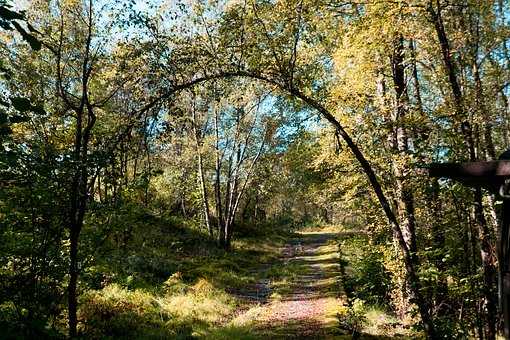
(352, 317)
(366, 277)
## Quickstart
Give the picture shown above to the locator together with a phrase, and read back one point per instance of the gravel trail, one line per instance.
(300, 310)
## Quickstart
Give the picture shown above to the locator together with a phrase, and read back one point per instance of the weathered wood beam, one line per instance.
(475, 174)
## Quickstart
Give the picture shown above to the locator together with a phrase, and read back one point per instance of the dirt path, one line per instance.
(300, 303)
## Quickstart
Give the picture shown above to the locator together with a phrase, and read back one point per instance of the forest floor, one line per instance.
(275, 285)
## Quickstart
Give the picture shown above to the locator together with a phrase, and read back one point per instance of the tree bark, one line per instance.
(201, 177)
(73, 280)
(405, 195)
(217, 184)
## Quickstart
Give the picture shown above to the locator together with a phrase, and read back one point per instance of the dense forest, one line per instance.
(248, 169)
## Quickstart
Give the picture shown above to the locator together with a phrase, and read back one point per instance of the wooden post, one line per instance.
(504, 266)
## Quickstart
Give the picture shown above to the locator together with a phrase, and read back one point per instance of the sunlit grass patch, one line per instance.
(383, 324)
(183, 310)
(202, 302)
(119, 313)
(223, 272)
(259, 250)
(249, 317)
(322, 228)
(281, 288)
(331, 310)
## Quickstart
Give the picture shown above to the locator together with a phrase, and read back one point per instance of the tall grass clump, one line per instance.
(179, 310)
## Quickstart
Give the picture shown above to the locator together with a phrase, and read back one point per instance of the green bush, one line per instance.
(367, 278)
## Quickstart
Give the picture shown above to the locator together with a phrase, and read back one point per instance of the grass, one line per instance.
(117, 312)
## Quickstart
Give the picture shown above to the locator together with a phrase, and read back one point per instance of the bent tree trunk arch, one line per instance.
(410, 259)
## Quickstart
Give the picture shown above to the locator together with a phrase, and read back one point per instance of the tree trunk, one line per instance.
(437, 227)
(201, 176)
(488, 261)
(217, 184)
(405, 197)
(205, 199)
(73, 280)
